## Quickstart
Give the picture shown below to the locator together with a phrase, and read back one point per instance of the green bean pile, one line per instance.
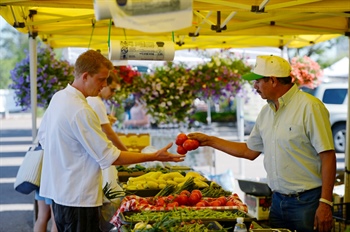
(184, 214)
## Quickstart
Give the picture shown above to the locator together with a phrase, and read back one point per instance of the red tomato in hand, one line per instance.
(180, 139)
(195, 144)
(190, 144)
(181, 199)
(180, 150)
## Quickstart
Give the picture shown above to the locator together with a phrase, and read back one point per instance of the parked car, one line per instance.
(7, 102)
(335, 97)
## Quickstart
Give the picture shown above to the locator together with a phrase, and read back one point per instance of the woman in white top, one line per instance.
(110, 174)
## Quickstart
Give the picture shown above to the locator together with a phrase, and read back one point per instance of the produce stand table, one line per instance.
(134, 204)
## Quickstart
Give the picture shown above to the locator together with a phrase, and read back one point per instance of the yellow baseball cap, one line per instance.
(267, 66)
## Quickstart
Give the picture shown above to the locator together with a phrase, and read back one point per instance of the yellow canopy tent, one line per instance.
(215, 24)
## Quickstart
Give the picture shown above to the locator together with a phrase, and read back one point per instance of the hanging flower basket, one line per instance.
(52, 76)
(167, 93)
(220, 78)
(306, 72)
(128, 78)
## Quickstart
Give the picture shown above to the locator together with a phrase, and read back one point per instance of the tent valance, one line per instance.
(288, 23)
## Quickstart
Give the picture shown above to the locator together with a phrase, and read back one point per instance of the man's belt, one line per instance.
(299, 193)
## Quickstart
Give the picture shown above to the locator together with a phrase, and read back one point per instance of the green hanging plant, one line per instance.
(52, 76)
(167, 93)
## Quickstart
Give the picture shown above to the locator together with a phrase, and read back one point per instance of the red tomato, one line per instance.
(205, 202)
(160, 202)
(190, 144)
(215, 203)
(222, 199)
(172, 204)
(201, 204)
(194, 199)
(181, 199)
(198, 192)
(170, 198)
(181, 150)
(185, 192)
(195, 144)
(180, 139)
(230, 203)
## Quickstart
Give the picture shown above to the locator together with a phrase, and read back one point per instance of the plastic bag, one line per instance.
(108, 209)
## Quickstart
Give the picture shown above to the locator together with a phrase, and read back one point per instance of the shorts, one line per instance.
(73, 219)
(48, 201)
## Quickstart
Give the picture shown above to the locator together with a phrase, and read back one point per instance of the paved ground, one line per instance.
(16, 209)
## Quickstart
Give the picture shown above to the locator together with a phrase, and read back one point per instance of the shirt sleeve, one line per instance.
(255, 141)
(318, 128)
(87, 129)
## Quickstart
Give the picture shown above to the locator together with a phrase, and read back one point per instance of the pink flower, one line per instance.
(306, 72)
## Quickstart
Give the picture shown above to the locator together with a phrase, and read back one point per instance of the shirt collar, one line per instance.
(286, 98)
(75, 91)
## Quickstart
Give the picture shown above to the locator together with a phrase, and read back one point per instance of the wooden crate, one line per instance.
(135, 142)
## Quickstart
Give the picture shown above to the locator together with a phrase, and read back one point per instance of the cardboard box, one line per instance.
(258, 207)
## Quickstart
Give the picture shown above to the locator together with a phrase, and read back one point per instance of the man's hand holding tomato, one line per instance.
(185, 144)
(203, 139)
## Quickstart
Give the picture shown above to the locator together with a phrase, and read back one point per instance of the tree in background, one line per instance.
(326, 53)
(12, 44)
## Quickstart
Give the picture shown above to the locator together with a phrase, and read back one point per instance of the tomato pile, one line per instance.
(194, 198)
(185, 144)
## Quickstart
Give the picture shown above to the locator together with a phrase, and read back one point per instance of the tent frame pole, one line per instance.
(33, 61)
(347, 147)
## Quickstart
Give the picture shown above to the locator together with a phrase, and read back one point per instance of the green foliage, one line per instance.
(215, 117)
(12, 44)
(320, 52)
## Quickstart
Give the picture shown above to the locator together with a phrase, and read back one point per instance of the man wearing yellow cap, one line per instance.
(294, 134)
